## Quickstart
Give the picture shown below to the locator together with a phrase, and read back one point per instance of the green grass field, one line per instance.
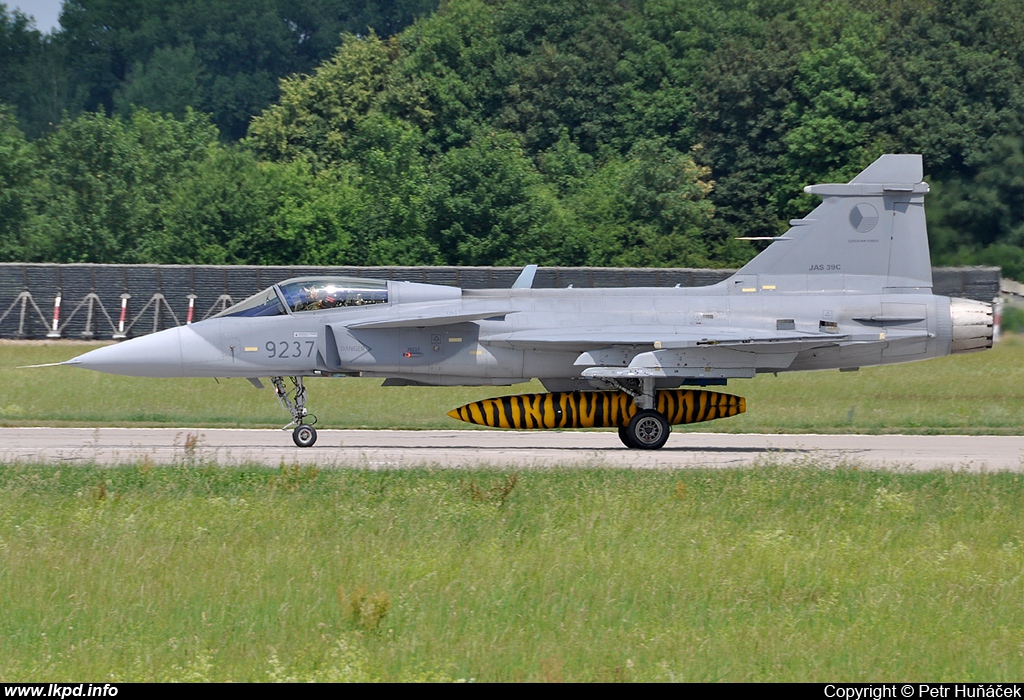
(768, 574)
(975, 393)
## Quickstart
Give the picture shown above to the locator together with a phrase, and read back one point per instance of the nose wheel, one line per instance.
(294, 402)
(304, 435)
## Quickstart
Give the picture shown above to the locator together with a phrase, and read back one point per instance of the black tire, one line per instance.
(304, 435)
(648, 430)
(626, 440)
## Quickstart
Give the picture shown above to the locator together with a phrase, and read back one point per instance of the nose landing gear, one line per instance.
(294, 402)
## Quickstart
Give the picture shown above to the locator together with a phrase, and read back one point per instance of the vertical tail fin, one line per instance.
(868, 235)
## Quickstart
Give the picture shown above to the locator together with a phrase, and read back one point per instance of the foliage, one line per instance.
(221, 57)
(105, 181)
(17, 180)
(315, 114)
(1013, 319)
(644, 209)
(490, 205)
(234, 209)
(646, 132)
(388, 157)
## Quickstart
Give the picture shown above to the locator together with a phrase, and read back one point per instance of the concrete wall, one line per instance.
(159, 294)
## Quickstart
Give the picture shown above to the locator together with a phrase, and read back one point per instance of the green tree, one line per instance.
(648, 209)
(17, 188)
(315, 115)
(218, 56)
(645, 132)
(232, 209)
(31, 72)
(491, 206)
(105, 180)
(743, 96)
(955, 79)
(979, 218)
(390, 156)
(170, 83)
(445, 77)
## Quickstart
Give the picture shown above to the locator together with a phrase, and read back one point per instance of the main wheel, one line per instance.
(624, 437)
(304, 435)
(648, 430)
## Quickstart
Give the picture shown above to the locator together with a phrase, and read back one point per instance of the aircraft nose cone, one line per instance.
(156, 355)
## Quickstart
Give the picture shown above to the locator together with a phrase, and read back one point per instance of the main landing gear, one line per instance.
(648, 429)
(294, 401)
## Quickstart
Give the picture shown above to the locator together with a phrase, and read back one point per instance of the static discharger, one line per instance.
(595, 409)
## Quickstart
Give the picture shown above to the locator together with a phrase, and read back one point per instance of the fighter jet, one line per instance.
(847, 286)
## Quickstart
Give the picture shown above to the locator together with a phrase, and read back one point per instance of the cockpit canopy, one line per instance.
(311, 294)
(318, 293)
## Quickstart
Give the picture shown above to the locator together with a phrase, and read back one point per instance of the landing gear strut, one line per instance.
(294, 402)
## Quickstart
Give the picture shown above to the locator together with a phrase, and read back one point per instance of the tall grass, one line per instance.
(812, 573)
(975, 393)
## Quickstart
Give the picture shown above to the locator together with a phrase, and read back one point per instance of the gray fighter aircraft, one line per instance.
(847, 286)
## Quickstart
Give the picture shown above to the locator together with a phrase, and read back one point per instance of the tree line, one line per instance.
(560, 132)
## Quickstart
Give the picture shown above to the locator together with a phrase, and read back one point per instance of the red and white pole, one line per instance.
(124, 315)
(54, 333)
(191, 308)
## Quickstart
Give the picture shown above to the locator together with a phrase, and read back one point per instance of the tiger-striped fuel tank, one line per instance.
(595, 409)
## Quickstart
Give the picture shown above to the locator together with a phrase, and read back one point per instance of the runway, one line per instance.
(384, 449)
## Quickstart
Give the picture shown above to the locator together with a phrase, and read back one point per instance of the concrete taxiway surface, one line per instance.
(455, 448)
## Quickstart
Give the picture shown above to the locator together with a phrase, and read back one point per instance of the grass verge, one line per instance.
(808, 573)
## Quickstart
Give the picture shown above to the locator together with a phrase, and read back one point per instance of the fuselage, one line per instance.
(443, 335)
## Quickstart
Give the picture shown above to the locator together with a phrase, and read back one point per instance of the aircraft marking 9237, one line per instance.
(847, 286)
